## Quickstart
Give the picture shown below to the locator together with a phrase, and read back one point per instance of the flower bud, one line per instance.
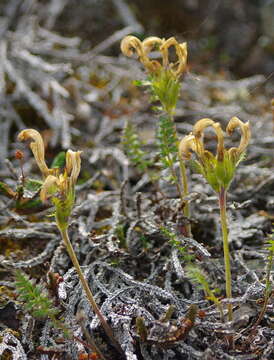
(37, 147)
(49, 187)
(245, 136)
(218, 170)
(73, 165)
(130, 43)
(187, 144)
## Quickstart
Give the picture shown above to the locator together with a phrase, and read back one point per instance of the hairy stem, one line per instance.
(72, 255)
(222, 204)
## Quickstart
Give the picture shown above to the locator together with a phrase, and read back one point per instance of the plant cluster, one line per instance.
(60, 188)
(164, 84)
(219, 169)
(57, 187)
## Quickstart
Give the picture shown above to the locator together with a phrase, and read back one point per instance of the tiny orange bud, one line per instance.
(201, 314)
(19, 155)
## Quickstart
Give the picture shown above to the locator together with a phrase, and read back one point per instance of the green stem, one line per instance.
(185, 194)
(72, 255)
(216, 301)
(268, 287)
(181, 193)
(222, 204)
(173, 172)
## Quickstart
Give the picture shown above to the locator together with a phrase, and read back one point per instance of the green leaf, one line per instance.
(167, 142)
(165, 88)
(33, 185)
(59, 161)
(133, 148)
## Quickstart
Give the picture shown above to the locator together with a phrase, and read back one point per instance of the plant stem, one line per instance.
(268, 286)
(173, 172)
(222, 204)
(211, 295)
(185, 193)
(72, 255)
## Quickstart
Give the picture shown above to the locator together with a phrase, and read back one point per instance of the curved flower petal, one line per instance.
(130, 43)
(37, 147)
(49, 187)
(198, 130)
(182, 58)
(73, 165)
(148, 45)
(245, 130)
(200, 126)
(186, 144)
(181, 52)
(151, 42)
(220, 137)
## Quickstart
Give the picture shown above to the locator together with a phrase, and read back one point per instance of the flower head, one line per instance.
(131, 43)
(217, 169)
(245, 138)
(181, 51)
(60, 187)
(187, 143)
(38, 148)
(164, 75)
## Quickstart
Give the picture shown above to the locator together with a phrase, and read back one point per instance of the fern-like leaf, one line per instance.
(35, 299)
(167, 142)
(133, 148)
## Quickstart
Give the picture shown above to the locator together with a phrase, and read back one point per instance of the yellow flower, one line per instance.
(245, 138)
(63, 183)
(54, 181)
(187, 143)
(73, 165)
(218, 170)
(181, 50)
(37, 147)
(131, 43)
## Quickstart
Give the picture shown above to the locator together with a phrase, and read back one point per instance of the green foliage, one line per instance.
(120, 232)
(144, 241)
(36, 301)
(33, 185)
(141, 328)
(59, 161)
(192, 313)
(23, 204)
(218, 174)
(165, 88)
(183, 251)
(167, 143)
(133, 148)
(198, 277)
(140, 83)
(28, 205)
(6, 190)
(63, 208)
(270, 261)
